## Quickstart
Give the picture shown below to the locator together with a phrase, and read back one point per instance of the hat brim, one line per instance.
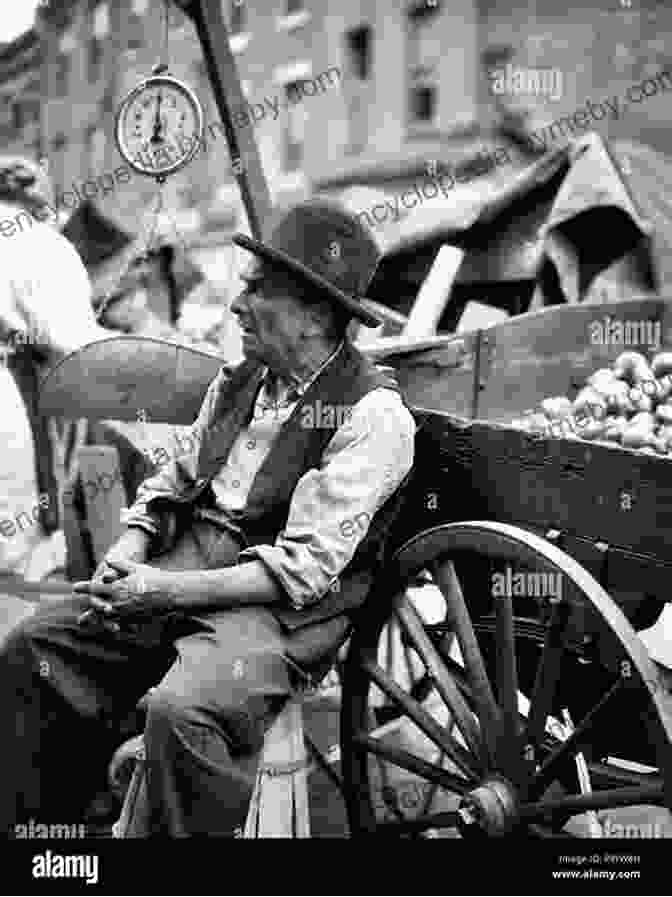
(357, 309)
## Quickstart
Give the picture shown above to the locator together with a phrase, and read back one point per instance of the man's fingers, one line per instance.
(122, 566)
(94, 588)
(103, 606)
(82, 586)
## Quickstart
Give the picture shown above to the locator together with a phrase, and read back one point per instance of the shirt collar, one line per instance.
(293, 390)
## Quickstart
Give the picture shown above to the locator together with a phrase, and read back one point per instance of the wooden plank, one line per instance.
(279, 806)
(214, 39)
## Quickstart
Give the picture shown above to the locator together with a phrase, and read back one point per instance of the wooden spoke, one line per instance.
(572, 746)
(509, 755)
(326, 767)
(598, 800)
(548, 673)
(458, 674)
(423, 720)
(412, 623)
(488, 713)
(432, 790)
(405, 760)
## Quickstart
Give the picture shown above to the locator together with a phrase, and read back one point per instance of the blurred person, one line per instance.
(126, 308)
(45, 313)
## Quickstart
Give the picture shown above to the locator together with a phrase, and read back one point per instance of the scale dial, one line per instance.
(159, 126)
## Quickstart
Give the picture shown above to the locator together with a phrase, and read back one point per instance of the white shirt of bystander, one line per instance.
(45, 301)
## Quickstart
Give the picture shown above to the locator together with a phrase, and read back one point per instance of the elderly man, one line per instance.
(261, 541)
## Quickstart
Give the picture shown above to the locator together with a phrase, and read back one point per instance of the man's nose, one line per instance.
(237, 306)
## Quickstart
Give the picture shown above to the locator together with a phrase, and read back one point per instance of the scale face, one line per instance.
(159, 126)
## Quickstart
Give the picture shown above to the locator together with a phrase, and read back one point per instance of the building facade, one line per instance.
(371, 92)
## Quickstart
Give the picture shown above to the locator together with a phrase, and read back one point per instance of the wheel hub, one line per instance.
(490, 809)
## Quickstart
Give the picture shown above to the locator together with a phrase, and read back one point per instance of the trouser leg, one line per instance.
(63, 688)
(207, 720)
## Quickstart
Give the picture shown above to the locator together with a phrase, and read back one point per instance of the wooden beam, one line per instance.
(214, 38)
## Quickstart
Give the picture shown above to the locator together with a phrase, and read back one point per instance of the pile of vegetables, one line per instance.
(629, 403)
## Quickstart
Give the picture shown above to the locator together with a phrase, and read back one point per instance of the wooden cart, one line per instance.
(537, 705)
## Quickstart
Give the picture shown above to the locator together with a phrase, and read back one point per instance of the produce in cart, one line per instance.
(627, 403)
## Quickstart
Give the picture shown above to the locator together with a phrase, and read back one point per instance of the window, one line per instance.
(356, 87)
(101, 20)
(94, 58)
(6, 111)
(295, 127)
(423, 103)
(238, 17)
(18, 114)
(56, 157)
(62, 74)
(424, 54)
(100, 27)
(139, 7)
(358, 41)
(135, 30)
(31, 110)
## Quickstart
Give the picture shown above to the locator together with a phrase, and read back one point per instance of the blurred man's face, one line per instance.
(271, 319)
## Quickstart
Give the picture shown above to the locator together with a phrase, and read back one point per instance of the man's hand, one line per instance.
(133, 545)
(140, 591)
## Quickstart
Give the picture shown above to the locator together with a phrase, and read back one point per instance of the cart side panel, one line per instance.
(590, 493)
(500, 372)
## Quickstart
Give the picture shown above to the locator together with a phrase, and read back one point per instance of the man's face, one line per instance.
(271, 319)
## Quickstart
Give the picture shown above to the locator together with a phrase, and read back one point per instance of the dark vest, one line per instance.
(296, 449)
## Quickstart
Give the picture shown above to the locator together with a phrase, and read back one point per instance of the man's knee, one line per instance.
(239, 725)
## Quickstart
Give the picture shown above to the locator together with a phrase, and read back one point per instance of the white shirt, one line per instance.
(44, 301)
(45, 292)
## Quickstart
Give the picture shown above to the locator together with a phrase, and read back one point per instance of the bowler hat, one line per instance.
(326, 247)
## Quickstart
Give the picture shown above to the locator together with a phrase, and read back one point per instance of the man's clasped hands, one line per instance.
(124, 586)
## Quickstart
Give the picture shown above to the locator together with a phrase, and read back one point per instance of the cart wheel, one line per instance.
(491, 747)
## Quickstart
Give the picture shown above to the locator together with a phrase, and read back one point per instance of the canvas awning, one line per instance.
(568, 217)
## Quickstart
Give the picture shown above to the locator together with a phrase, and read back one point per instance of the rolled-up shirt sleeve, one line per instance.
(333, 505)
(138, 514)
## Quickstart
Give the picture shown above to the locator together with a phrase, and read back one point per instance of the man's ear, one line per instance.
(319, 315)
